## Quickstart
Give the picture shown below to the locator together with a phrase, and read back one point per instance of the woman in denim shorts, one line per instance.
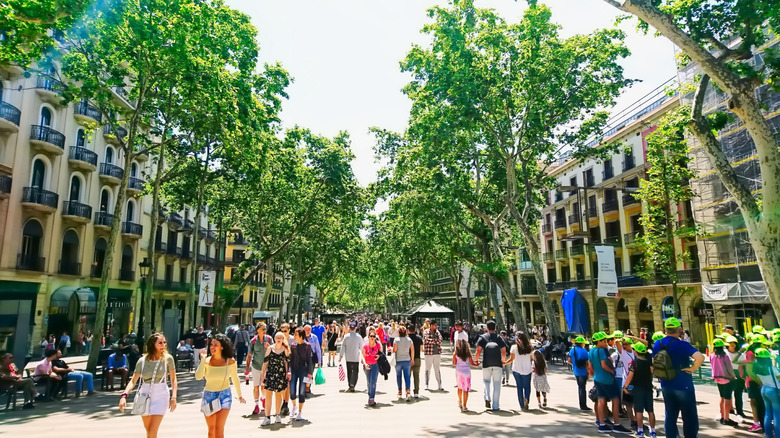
(218, 370)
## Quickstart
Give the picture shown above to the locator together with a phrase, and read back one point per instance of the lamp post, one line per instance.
(144, 270)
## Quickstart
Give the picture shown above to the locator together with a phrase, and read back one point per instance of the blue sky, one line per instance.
(344, 57)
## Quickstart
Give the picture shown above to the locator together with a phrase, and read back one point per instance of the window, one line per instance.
(134, 170)
(75, 189)
(69, 257)
(99, 257)
(46, 116)
(32, 236)
(127, 273)
(183, 275)
(130, 211)
(110, 155)
(38, 174)
(105, 201)
(81, 138)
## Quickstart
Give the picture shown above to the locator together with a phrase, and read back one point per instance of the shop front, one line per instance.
(17, 313)
(119, 309)
(72, 310)
(645, 315)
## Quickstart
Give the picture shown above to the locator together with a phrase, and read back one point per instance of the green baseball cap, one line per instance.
(758, 329)
(718, 343)
(617, 334)
(599, 336)
(764, 353)
(581, 340)
(657, 336)
(758, 339)
(639, 348)
(730, 339)
(776, 330)
(672, 322)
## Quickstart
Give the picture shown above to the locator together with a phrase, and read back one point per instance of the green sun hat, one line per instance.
(672, 322)
(617, 334)
(730, 339)
(764, 353)
(627, 341)
(657, 336)
(718, 343)
(640, 348)
(599, 336)
(758, 339)
(758, 329)
(776, 330)
(581, 340)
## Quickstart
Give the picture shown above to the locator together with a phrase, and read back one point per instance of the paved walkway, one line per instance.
(332, 412)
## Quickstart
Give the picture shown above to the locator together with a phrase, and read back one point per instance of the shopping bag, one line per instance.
(342, 375)
(319, 379)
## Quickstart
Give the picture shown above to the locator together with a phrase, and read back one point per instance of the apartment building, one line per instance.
(59, 178)
(601, 210)
(733, 284)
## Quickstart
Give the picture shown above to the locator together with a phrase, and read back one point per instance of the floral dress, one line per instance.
(276, 371)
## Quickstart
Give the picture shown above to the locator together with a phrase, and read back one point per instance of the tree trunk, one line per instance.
(532, 246)
(196, 241)
(149, 283)
(269, 283)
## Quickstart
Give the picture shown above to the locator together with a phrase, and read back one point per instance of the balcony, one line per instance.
(111, 136)
(47, 140)
(6, 181)
(187, 226)
(593, 212)
(577, 250)
(609, 205)
(547, 228)
(170, 285)
(142, 157)
(126, 275)
(10, 117)
(571, 284)
(49, 89)
(612, 240)
(628, 163)
(76, 211)
(561, 254)
(628, 199)
(39, 199)
(202, 231)
(161, 247)
(135, 185)
(30, 262)
(548, 257)
(527, 286)
(174, 221)
(211, 261)
(132, 230)
(211, 236)
(656, 279)
(202, 258)
(560, 223)
(103, 220)
(186, 254)
(607, 173)
(86, 113)
(574, 219)
(111, 173)
(174, 251)
(238, 240)
(631, 238)
(69, 268)
(82, 158)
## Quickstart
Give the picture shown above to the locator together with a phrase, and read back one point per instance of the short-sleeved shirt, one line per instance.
(595, 356)
(522, 362)
(491, 345)
(622, 359)
(372, 353)
(578, 353)
(43, 368)
(257, 350)
(117, 360)
(643, 373)
(460, 336)
(318, 330)
(417, 342)
(680, 352)
(404, 349)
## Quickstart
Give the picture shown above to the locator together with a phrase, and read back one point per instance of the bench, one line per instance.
(78, 363)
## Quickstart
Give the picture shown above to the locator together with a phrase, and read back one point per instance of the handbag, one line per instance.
(142, 402)
(214, 406)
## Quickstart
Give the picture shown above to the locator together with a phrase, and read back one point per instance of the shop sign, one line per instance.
(667, 307)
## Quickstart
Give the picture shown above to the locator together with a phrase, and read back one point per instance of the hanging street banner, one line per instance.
(208, 281)
(608, 284)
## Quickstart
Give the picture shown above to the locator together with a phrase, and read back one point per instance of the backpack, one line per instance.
(663, 368)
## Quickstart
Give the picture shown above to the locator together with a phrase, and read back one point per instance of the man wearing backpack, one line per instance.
(578, 359)
(492, 365)
(672, 365)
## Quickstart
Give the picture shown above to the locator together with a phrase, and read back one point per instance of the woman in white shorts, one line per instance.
(154, 369)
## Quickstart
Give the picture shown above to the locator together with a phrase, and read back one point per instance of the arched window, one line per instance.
(75, 189)
(32, 237)
(645, 306)
(622, 306)
(110, 155)
(601, 307)
(69, 258)
(127, 273)
(38, 174)
(134, 170)
(81, 138)
(105, 201)
(100, 256)
(45, 116)
(130, 215)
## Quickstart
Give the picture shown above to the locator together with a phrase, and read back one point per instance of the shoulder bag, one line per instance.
(142, 402)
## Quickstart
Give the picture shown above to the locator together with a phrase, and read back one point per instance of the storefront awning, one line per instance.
(748, 292)
(59, 302)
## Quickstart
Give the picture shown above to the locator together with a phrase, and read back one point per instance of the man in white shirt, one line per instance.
(622, 357)
(459, 334)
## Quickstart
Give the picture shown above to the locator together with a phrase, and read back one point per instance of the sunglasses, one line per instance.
(371, 336)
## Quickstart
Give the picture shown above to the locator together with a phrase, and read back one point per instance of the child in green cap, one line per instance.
(640, 380)
(723, 375)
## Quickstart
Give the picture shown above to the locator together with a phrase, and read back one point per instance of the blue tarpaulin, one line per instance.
(575, 309)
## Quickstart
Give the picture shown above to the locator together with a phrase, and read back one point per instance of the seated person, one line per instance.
(44, 372)
(60, 367)
(11, 379)
(183, 346)
(117, 365)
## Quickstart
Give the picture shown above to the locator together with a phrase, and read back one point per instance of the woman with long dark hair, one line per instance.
(520, 358)
(301, 369)
(154, 369)
(370, 356)
(218, 370)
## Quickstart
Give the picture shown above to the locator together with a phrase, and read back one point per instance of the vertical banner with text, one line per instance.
(208, 281)
(608, 285)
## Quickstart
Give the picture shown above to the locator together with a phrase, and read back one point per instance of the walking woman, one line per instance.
(154, 369)
(218, 370)
(404, 359)
(301, 369)
(769, 375)
(370, 356)
(331, 337)
(382, 336)
(274, 376)
(520, 358)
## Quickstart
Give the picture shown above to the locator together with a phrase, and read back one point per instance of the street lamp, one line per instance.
(144, 270)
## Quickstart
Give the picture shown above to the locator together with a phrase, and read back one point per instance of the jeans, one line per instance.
(739, 388)
(352, 373)
(433, 360)
(80, 377)
(582, 382)
(681, 402)
(492, 374)
(523, 382)
(297, 386)
(241, 350)
(372, 373)
(771, 398)
(402, 369)
(416, 375)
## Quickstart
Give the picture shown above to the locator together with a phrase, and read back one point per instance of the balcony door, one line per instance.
(75, 189)
(127, 261)
(105, 201)
(69, 256)
(38, 174)
(46, 117)
(81, 139)
(32, 238)
(100, 256)
(130, 211)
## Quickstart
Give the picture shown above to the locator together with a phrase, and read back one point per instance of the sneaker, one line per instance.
(633, 425)
(652, 434)
(730, 422)
(278, 418)
(299, 417)
(293, 411)
(266, 421)
(756, 427)
(257, 411)
(640, 433)
(416, 395)
(619, 428)
(605, 428)
(28, 406)
(285, 410)
(608, 422)
(487, 404)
